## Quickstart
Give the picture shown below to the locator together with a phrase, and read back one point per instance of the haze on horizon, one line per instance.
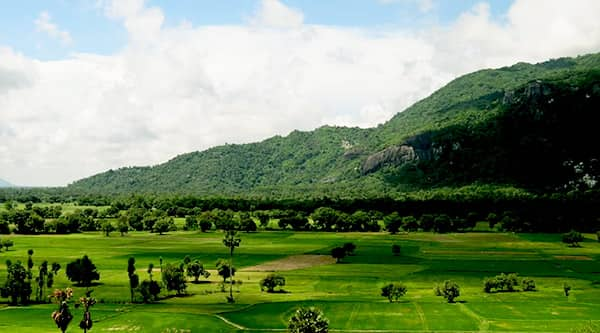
(90, 85)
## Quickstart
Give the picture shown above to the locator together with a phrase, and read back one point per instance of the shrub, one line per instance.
(502, 282)
(572, 238)
(349, 248)
(396, 249)
(450, 290)
(567, 288)
(308, 320)
(528, 284)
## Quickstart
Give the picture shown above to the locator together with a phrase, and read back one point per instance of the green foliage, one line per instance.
(450, 290)
(82, 271)
(107, 228)
(196, 269)
(174, 279)
(392, 222)
(7, 243)
(338, 253)
(504, 282)
(528, 284)
(396, 249)
(308, 320)
(567, 288)
(349, 248)
(164, 224)
(149, 289)
(272, 281)
(393, 291)
(572, 238)
(17, 286)
(223, 269)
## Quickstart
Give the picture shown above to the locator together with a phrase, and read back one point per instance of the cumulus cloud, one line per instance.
(44, 24)
(175, 89)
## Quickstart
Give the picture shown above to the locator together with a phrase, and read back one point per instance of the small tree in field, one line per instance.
(6, 243)
(134, 279)
(396, 249)
(62, 317)
(271, 281)
(87, 302)
(174, 279)
(572, 238)
(349, 248)
(393, 291)
(107, 228)
(231, 240)
(338, 253)
(308, 320)
(196, 269)
(450, 290)
(82, 271)
(567, 288)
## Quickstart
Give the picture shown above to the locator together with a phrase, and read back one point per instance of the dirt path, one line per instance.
(292, 263)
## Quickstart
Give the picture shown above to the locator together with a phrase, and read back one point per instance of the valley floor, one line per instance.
(348, 292)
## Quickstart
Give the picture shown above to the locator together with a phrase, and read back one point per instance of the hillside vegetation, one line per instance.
(527, 126)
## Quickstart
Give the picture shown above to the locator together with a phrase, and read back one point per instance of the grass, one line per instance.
(348, 293)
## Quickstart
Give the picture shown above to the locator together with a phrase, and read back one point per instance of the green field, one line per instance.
(348, 293)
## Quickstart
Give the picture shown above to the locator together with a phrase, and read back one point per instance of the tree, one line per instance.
(325, 218)
(55, 268)
(271, 281)
(426, 222)
(231, 240)
(572, 238)
(349, 248)
(6, 243)
(17, 286)
(149, 290)
(410, 223)
(308, 320)
(174, 279)
(196, 269)
(191, 223)
(164, 224)
(393, 291)
(263, 217)
(224, 270)
(392, 223)
(122, 225)
(134, 279)
(450, 290)
(107, 228)
(396, 249)
(338, 253)
(442, 224)
(246, 223)
(82, 271)
(42, 280)
(88, 301)
(567, 288)
(62, 317)
(4, 227)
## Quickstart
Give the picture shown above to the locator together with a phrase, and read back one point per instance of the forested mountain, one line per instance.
(530, 126)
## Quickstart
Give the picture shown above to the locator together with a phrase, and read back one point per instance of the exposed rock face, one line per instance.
(394, 154)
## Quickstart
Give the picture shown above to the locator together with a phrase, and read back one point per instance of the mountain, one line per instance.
(4, 183)
(524, 125)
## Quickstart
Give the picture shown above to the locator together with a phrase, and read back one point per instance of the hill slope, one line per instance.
(498, 126)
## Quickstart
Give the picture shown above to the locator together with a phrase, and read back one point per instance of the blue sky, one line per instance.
(93, 32)
(91, 85)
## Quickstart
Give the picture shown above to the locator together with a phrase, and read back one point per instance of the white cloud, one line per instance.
(179, 89)
(274, 14)
(44, 24)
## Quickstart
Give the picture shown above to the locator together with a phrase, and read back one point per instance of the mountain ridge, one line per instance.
(335, 159)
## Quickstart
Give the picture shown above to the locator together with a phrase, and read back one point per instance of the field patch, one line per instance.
(292, 262)
(584, 258)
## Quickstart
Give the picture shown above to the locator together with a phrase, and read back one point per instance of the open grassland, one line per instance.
(348, 292)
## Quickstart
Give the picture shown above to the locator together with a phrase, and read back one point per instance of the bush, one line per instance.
(572, 238)
(338, 253)
(396, 249)
(528, 284)
(442, 224)
(174, 279)
(271, 281)
(349, 248)
(149, 290)
(393, 291)
(502, 282)
(410, 223)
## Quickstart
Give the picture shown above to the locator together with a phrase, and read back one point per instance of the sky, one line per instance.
(92, 85)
